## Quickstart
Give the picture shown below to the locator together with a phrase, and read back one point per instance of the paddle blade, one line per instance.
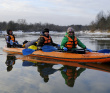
(104, 51)
(27, 51)
(47, 48)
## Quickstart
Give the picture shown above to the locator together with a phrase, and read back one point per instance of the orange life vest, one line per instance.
(70, 42)
(12, 38)
(23, 45)
(47, 40)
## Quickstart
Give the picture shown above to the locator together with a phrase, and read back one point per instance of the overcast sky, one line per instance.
(59, 12)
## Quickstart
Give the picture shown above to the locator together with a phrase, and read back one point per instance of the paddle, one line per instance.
(48, 48)
(45, 48)
(104, 51)
(27, 51)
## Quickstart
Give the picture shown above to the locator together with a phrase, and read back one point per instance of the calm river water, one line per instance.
(20, 76)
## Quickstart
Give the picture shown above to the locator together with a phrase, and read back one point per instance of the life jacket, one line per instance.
(70, 42)
(12, 37)
(47, 40)
(70, 75)
(23, 45)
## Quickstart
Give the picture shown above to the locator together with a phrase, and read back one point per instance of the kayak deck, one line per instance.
(64, 56)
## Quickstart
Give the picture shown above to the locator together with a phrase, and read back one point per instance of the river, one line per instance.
(20, 76)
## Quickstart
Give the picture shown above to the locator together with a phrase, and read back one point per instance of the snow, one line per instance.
(97, 35)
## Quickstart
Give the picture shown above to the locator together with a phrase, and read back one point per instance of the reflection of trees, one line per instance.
(70, 73)
(103, 44)
(10, 61)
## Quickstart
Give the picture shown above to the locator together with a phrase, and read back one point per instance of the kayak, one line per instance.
(93, 57)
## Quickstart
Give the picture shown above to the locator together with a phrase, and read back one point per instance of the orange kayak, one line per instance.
(64, 56)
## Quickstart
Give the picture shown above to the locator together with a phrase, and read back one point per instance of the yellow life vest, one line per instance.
(70, 42)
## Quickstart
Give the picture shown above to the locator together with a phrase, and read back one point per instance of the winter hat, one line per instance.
(45, 30)
(70, 29)
(8, 31)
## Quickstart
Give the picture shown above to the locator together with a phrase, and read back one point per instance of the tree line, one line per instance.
(21, 24)
(102, 22)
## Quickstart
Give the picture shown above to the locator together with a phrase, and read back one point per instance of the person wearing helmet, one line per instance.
(45, 39)
(70, 41)
(10, 39)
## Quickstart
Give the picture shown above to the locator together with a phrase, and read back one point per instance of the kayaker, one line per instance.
(10, 39)
(70, 41)
(45, 39)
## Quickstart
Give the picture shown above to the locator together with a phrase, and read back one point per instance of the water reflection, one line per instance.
(103, 44)
(70, 73)
(10, 61)
(44, 69)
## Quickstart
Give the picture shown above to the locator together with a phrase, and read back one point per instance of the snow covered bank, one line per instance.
(95, 32)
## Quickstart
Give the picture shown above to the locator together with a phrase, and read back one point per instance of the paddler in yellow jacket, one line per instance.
(45, 39)
(70, 41)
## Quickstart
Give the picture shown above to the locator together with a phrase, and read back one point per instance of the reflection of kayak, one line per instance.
(101, 67)
(88, 57)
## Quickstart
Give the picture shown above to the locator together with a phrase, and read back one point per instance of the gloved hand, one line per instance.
(58, 45)
(65, 49)
(16, 42)
(89, 50)
(65, 69)
(11, 42)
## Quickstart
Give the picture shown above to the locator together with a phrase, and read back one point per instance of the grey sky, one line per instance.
(59, 12)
